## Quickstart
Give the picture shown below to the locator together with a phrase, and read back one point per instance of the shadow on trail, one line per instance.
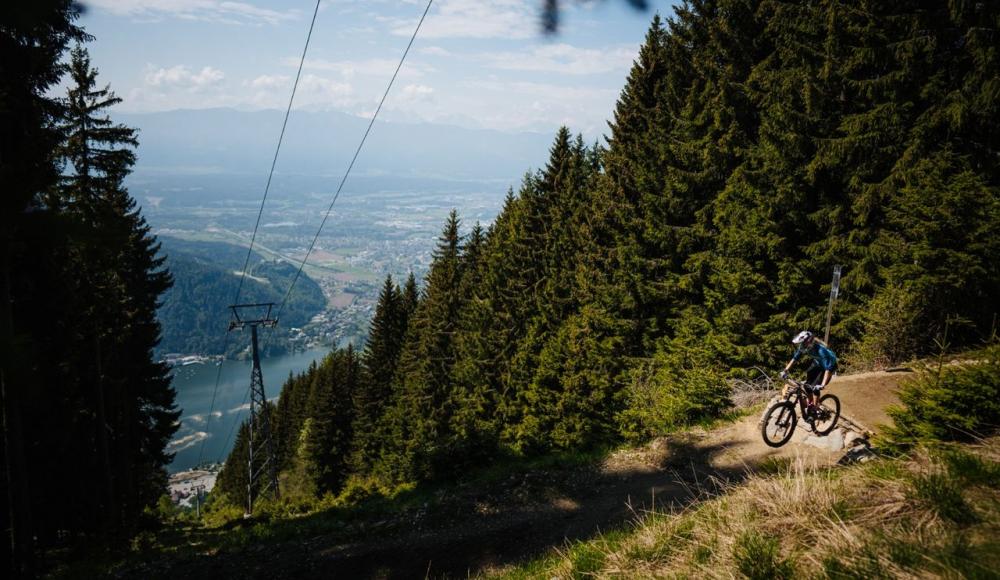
(559, 507)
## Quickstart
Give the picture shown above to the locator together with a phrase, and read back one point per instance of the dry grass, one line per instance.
(927, 515)
(754, 390)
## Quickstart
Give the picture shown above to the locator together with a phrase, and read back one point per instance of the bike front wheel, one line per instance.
(779, 424)
(827, 414)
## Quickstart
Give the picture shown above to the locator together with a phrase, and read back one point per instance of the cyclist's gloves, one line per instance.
(784, 374)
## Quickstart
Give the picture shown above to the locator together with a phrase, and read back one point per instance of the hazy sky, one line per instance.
(476, 63)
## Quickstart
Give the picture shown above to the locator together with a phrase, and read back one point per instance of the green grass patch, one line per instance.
(724, 534)
(863, 565)
(840, 510)
(759, 557)
(943, 494)
(971, 469)
(586, 559)
(887, 470)
(903, 553)
(702, 554)
(507, 466)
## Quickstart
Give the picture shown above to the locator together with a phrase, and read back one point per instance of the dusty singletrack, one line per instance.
(472, 531)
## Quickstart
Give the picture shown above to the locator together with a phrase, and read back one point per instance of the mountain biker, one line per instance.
(820, 372)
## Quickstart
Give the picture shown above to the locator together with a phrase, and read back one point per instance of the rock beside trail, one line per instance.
(832, 442)
(857, 454)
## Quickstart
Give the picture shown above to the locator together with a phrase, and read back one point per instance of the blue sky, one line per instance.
(476, 63)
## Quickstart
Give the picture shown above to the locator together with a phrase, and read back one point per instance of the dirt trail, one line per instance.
(480, 529)
(864, 397)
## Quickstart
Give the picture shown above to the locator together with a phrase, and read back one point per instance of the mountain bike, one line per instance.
(780, 420)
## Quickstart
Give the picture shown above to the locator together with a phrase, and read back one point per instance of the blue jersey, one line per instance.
(820, 355)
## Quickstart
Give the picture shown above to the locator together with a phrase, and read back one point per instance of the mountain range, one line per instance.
(229, 141)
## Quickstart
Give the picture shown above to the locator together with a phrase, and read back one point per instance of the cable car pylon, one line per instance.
(262, 466)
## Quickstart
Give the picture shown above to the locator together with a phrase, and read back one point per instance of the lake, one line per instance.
(194, 384)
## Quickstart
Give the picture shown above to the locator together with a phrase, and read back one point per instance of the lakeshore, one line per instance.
(213, 401)
(185, 486)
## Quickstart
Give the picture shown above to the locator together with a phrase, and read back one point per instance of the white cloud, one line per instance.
(196, 418)
(187, 441)
(565, 59)
(270, 82)
(413, 93)
(180, 76)
(473, 19)
(320, 88)
(179, 87)
(381, 67)
(544, 91)
(208, 10)
(314, 91)
(434, 51)
(537, 106)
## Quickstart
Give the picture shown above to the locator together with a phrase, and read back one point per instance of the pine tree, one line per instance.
(331, 419)
(380, 359)
(231, 484)
(735, 270)
(911, 79)
(33, 40)
(118, 261)
(938, 226)
(483, 342)
(631, 254)
(472, 426)
(409, 299)
(574, 399)
(106, 409)
(563, 200)
(417, 428)
(290, 415)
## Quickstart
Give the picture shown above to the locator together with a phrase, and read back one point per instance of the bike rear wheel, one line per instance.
(827, 414)
(779, 424)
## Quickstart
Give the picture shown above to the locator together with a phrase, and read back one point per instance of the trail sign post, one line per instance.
(834, 292)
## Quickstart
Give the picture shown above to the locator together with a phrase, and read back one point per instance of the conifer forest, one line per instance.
(755, 145)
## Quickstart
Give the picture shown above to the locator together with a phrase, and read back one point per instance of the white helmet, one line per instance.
(802, 337)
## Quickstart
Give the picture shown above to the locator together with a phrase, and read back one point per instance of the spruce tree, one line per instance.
(471, 428)
(379, 360)
(33, 39)
(118, 261)
(562, 200)
(409, 298)
(484, 341)
(231, 484)
(418, 426)
(331, 420)
(290, 414)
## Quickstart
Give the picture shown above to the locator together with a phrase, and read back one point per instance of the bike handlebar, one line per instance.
(790, 382)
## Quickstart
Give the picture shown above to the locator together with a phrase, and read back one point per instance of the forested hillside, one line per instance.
(755, 145)
(87, 412)
(194, 313)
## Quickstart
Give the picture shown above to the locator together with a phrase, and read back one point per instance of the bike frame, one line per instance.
(797, 390)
